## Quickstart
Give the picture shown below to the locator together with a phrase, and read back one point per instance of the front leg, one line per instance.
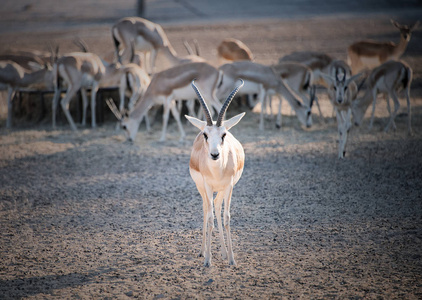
(93, 103)
(10, 95)
(166, 112)
(209, 222)
(262, 99)
(176, 115)
(218, 202)
(342, 133)
(227, 200)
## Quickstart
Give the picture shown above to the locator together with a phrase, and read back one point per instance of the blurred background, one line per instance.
(22, 15)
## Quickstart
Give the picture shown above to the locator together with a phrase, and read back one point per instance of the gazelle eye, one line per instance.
(345, 88)
(223, 136)
(205, 136)
(124, 127)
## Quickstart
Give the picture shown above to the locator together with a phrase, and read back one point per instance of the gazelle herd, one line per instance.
(161, 77)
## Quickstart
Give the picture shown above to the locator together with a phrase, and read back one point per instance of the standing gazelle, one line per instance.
(389, 78)
(370, 54)
(342, 92)
(216, 165)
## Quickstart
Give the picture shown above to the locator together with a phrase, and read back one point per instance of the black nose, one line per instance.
(214, 156)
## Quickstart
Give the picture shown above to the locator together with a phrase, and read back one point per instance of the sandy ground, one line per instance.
(86, 215)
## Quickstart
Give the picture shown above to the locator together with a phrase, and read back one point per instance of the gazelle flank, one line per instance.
(216, 165)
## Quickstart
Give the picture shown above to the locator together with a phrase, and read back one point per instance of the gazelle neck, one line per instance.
(33, 78)
(166, 58)
(400, 47)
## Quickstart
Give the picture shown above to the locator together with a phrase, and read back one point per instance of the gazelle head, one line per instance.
(129, 125)
(405, 30)
(214, 133)
(339, 86)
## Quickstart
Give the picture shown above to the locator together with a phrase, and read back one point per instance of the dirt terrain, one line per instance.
(87, 215)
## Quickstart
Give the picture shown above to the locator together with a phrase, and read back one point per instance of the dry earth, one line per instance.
(86, 215)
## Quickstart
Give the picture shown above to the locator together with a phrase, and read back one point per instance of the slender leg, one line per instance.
(176, 115)
(227, 200)
(54, 103)
(93, 103)
(210, 224)
(342, 134)
(374, 100)
(191, 107)
(396, 109)
(409, 126)
(262, 99)
(10, 95)
(71, 91)
(279, 117)
(84, 105)
(218, 203)
(165, 119)
(387, 98)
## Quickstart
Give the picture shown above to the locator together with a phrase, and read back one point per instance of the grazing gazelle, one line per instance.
(370, 54)
(80, 71)
(166, 87)
(216, 164)
(15, 77)
(389, 78)
(342, 92)
(262, 80)
(320, 63)
(150, 39)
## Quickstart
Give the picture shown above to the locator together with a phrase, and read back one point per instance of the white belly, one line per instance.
(250, 87)
(184, 93)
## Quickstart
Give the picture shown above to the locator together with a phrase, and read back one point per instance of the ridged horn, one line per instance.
(203, 104)
(227, 103)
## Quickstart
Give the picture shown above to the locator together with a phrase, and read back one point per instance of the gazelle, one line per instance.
(150, 39)
(15, 77)
(80, 71)
(216, 165)
(389, 78)
(230, 50)
(261, 79)
(369, 54)
(320, 63)
(25, 59)
(299, 78)
(342, 92)
(165, 88)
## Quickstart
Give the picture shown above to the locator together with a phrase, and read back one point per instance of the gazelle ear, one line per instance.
(395, 23)
(196, 122)
(233, 121)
